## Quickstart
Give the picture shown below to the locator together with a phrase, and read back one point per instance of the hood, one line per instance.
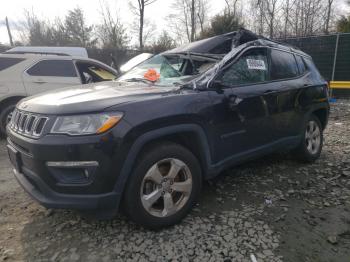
(90, 98)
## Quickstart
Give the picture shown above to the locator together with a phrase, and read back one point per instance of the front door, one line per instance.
(245, 101)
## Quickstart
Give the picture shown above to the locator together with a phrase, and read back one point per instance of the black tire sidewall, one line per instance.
(132, 201)
(3, 116)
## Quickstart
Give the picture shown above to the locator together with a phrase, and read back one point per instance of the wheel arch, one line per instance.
(191, 136)
(322, 115)
(10, 99)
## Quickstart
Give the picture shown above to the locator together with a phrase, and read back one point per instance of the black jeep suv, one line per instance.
(147, 140)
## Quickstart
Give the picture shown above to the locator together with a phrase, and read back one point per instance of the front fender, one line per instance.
(141, 141)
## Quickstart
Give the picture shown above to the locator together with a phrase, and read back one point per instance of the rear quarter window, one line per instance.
(7, 62)
(58, 68)
(313, 69)
(283, 65)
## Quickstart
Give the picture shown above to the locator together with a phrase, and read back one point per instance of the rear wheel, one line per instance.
(5, 117)
(311, 145)
(163, 187)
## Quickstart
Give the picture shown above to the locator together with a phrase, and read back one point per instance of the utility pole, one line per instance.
(9, 31)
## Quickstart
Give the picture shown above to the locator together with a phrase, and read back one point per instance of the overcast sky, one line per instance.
(50, 9)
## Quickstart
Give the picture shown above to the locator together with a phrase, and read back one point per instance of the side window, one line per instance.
(6, 62)
(301, 64)
(283, 65)
(251, 67)
(60, 68)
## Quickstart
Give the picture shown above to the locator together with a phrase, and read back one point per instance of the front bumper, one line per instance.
(39, 191)
(51, 185)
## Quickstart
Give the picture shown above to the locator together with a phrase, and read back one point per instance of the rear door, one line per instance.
(50, 74)
(289, 81)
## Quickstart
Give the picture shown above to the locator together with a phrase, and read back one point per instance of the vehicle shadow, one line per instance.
(66, 235)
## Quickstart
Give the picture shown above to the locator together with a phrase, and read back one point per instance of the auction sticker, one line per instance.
(256, 64)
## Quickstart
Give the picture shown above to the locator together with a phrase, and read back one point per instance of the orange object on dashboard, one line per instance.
(151, 75)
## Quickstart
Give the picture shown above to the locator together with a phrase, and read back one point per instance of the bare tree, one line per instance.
(111, 32)
(202, 14)
(269, 10)
(231, 7)
(286, 10)
(189, 16)
(139, 10)
(329, 8)
(282, 18)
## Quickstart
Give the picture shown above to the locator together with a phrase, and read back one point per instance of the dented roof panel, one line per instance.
(223, 44)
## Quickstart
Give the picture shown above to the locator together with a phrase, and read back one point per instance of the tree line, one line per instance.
(188, 21)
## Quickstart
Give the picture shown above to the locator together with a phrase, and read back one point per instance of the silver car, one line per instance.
(25, 73)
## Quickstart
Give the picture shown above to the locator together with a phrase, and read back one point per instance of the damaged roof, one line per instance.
(223, 44)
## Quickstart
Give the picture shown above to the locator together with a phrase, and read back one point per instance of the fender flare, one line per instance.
(139, 143)
(321, 106)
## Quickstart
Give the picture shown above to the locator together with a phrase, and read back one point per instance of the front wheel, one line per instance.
(164, 186)
(312, 141)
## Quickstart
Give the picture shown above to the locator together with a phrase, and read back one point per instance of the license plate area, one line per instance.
(15, 158)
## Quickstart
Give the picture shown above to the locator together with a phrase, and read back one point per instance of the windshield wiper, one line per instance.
(135, 79)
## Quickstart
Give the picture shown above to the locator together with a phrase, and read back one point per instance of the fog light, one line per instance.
(72, 172)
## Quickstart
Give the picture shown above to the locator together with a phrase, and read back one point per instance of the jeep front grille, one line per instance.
(28, 124)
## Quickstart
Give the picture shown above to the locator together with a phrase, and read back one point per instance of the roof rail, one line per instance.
(50, 50)
(36, 53)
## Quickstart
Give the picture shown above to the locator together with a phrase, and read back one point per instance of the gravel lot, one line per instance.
(274, 208)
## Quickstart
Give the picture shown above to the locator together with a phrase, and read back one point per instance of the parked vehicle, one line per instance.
(24, 71)
(135, 61)
(147, 141)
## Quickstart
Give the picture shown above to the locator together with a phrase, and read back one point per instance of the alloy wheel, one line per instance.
(313, 137)
(166, 187)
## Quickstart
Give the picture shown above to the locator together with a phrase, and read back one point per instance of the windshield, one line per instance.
(171, 69)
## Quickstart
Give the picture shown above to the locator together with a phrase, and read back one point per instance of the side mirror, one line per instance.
(217, 84)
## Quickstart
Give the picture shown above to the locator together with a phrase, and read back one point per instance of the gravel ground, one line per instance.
(275, 209)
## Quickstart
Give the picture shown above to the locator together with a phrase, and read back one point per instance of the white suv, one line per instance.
(24, 73)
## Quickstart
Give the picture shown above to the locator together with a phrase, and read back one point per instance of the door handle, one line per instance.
(233, 102)
(40, 82)
(269, 92)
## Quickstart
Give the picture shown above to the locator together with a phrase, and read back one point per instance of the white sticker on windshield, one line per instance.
(256, 64)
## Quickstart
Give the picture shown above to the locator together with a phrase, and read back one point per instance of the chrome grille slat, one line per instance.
(18, 115)
(23, 122)
(28, 124)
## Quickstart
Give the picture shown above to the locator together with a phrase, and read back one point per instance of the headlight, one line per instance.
(85, 124)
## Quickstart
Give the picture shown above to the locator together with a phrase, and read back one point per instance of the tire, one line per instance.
(310, 147)
(159, 173)
(5, 116)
